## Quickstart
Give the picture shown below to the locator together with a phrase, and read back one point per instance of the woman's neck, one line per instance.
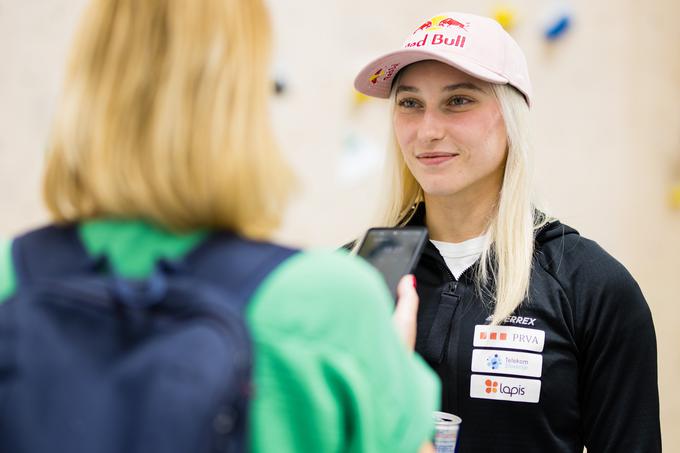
(450, 219)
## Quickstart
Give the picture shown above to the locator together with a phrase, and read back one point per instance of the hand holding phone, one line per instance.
(405, 316)
(393, 251)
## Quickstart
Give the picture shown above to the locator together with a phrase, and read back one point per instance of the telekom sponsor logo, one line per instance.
(509, 337)
(500, 361)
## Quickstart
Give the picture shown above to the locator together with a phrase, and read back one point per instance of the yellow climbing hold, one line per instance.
(505, 16)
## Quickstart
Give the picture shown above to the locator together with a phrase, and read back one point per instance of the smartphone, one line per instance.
(393, 251)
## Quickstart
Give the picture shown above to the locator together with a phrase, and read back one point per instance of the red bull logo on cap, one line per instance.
(441, 23)
(440, 31)
(374, 78)
(386, 74)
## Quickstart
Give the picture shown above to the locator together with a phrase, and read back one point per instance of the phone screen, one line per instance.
(393, 251)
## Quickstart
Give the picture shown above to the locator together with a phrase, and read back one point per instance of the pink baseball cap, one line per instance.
(476, 45)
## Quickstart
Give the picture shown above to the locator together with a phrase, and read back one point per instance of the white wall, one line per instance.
(34, 37)
(607, 117)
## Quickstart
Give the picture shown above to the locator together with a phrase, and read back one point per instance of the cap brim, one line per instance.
(371, 82)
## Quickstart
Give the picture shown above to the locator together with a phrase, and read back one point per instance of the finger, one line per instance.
(407, 297)
(406, 313)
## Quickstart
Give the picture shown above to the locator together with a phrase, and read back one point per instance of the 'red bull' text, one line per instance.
(439, 39)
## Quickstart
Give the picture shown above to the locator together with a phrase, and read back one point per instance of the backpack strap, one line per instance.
(49, 252)
(228, 261)
(235, 264)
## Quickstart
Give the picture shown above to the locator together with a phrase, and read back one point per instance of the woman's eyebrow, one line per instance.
(452, 87)
(456, 86)
(407, 88)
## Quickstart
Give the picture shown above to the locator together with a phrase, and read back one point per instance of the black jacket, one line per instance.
(583, 346)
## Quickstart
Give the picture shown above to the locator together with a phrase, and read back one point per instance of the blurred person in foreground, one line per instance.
(162, 137)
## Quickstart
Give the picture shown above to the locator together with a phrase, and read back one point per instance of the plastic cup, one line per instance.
(446, 432)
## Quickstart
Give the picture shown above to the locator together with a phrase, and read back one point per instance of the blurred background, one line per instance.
(606, 76)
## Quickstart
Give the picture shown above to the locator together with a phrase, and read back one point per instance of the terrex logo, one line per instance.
(440, 23)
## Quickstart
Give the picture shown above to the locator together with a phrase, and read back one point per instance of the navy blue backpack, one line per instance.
(94, 363)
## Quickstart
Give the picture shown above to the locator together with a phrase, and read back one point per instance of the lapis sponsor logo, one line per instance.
(493, 386)
(507, 389)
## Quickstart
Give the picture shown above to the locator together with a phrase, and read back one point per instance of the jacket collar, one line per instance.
(418, 219)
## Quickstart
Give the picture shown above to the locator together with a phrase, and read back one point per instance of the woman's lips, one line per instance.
(431, 159)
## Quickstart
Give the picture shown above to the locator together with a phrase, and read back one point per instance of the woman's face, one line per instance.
(450, 130)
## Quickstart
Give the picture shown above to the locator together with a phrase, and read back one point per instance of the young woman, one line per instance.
(162, 137)
(542, 340)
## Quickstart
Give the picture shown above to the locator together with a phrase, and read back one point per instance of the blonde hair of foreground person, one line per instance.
(506, 259)
(164, 117)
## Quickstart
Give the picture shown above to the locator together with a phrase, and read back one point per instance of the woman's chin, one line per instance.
(439, 190)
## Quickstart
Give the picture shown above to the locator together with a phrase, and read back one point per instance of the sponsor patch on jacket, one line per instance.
(509, 337)
(507, 362)
(505, 388)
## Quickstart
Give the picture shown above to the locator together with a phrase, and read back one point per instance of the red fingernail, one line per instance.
(414, 281)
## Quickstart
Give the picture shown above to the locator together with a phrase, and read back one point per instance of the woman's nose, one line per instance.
(432, 127)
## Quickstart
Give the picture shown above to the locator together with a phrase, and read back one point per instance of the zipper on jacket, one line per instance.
(450, 399)
(449, 297)
(436, 345)
(448, 272)
(452, 291)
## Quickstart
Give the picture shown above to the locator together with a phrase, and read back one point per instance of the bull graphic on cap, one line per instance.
(440, 22)
(448, 22)
(374, 78)
(425, 26)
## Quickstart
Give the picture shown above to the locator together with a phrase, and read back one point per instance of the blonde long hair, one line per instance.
(505, 264)
(164, 116)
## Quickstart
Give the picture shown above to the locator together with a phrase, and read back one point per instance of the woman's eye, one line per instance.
(408, 103)
(459, 100)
